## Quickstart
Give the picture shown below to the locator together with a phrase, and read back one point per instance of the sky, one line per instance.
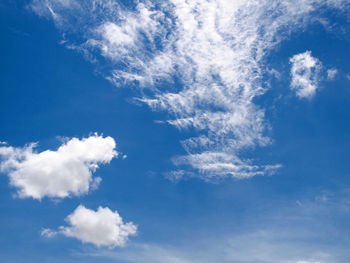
(175, 131)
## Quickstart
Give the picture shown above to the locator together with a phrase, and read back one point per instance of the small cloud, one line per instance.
(176, 176)
(159, 122)
(331, 73)
(96, 183)
(48, 233)
(323, 198)
(305, 74)
(100, 228)
(124, 156)
(273, 72)
(3, 143)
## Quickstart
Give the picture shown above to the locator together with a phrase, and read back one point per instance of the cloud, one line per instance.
(48, 233)
(100, 228)
(217, 165)
(331, 73)
(277, 232)
(49, 8)
(305, 74)
(201, 61)
(57, 173)
(251, 247)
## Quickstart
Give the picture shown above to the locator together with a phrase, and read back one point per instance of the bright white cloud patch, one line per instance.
(100, 228)
(215, 49)
(305, 74)
(57, 174)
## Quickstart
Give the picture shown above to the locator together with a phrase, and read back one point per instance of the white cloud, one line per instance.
(331, 73)
(100, 228)
(52, 9)
(305, 74)
(217, 164)
(279, 232)
(215, 49)
(48, 233)
(57, 174)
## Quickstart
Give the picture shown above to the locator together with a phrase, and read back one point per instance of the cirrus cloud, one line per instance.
(201, 61)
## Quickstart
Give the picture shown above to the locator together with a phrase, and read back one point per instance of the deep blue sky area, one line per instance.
(48, 91)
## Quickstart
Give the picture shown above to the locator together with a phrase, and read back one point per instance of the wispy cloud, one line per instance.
(283, 233)
(253, 247)
(214, 49)
(48, 233)
(100, 228)
(57, 174)
(332, 73)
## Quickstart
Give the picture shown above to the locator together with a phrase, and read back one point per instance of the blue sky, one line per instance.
(219, 131)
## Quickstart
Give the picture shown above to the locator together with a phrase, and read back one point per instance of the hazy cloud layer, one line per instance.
(100, 228)
(285, 232)
(214, 49)
(57, 173)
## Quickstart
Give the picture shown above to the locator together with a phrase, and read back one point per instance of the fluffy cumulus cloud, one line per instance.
(202, 61)
(305, 74)
(61, 173)
(100, 228)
